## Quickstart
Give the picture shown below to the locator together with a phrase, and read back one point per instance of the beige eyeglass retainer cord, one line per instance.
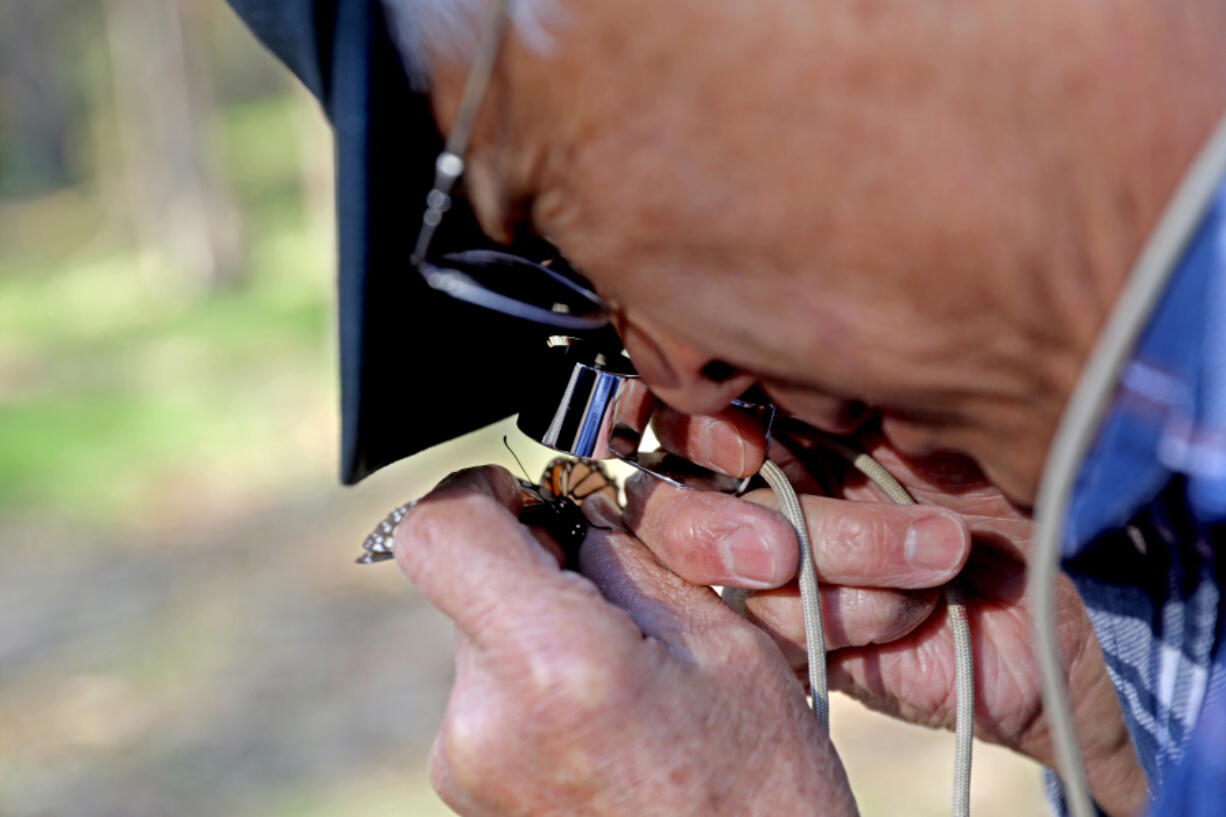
(1077, 431)
(815, 640)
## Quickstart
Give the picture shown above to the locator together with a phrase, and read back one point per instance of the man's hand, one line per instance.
(880, 566)
(625, 690)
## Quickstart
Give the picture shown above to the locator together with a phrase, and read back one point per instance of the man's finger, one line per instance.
(458, 798)
(711, 538)
(732, 442)
(464, 549)
(878, 544)
(662, 604)
(851, 616)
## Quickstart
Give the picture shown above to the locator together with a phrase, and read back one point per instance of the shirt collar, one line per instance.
(1169, 412)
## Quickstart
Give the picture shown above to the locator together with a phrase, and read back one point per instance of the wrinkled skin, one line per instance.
(927, 209)
(623, 691)
(916, 213)
(884, 618)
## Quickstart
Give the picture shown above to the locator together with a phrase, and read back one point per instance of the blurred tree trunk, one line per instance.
(37, 110)
(182, 216)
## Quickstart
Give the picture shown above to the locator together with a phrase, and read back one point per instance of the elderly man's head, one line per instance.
(924, 208)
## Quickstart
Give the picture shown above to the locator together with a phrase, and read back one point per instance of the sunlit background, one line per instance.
(182, 628)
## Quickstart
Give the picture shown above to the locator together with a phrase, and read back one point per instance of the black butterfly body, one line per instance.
(553, 504)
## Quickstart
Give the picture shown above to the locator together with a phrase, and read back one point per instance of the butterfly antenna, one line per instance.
(516, 458)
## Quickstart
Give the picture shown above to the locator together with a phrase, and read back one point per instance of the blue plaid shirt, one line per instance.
(1146, 537)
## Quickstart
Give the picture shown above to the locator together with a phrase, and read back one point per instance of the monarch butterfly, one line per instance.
(576, 480)
(552, 504)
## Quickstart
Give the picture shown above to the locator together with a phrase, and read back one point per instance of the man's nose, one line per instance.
(680, 374)
(825, 412)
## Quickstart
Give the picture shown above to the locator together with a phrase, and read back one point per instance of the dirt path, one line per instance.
(204, 675)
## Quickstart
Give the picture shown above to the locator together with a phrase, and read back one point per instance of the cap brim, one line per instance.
(417, 368)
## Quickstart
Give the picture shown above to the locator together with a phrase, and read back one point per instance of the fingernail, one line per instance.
(749, 558)
(714, 437)
(934, 543)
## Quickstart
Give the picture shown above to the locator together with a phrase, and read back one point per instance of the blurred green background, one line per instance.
(182, 630)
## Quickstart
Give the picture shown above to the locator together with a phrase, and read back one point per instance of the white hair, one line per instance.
(452, 29)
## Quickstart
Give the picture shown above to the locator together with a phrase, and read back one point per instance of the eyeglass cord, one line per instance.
(815, 640)
(450, 164)
(1077, 431)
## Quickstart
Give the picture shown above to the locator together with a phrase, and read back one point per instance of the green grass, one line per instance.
(114, 378)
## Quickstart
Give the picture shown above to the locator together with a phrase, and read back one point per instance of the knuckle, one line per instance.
(560, 681)
(570, 668)
(859, 543)
(883, 544)
(736, 643)
(686, 527)
(421, 526)
(666, 524)
(442, 780)
(691, 523)
(465, 746)
(837, 542)
(433, 522)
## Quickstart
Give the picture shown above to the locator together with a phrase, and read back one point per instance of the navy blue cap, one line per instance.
(417, 368)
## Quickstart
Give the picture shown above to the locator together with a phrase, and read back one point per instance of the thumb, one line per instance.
(661, 603)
